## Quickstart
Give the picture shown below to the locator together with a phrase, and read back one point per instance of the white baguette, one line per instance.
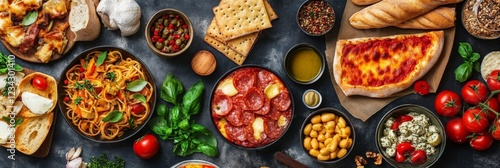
(32, 132)
(83, 20)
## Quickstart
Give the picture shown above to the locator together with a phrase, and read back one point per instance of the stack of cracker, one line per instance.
(237, 25)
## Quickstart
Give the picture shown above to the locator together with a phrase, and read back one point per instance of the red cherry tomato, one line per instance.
(474, 92)
(493, 80)
(475, 121)
(147, 146)
(495, 130)
(66, 82)
(137, 108)
(422, 87)
(405, 148)
(493, 104)
(39, 83)
(456, 131)
(400, 158)
(447, 103)
(418, 157)
(481, 142)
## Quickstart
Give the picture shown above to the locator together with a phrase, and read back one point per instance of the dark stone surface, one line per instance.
(268, 52)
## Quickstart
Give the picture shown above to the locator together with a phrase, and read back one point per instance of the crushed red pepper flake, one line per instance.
(316, 17)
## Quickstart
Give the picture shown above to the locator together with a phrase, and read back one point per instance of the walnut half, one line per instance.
(360, 161)
(376, 156)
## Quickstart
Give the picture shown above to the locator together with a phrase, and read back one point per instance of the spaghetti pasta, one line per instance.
(98, 98)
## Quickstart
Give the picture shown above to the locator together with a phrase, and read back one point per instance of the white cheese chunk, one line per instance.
(36, 103)
(258, 127)
(5, 132)
(228, 88)
(272, 90)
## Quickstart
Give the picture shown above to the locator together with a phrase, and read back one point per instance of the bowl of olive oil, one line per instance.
(304, 64)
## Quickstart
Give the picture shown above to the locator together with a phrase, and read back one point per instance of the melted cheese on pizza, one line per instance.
(19, 8)
(4, 5)
(384, 61)
(4, 22)
(53, 41)
(381, 66)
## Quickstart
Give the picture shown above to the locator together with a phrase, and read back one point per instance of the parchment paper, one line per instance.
(363, 107)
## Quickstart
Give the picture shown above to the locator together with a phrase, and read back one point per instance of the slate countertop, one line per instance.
(269, 52)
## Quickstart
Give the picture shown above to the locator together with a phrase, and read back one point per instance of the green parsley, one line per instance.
(78, 100)
(111, 76)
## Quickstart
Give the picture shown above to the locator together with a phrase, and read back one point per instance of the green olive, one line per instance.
(174, 21)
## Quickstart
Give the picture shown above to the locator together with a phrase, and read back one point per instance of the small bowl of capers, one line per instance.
(169, 32)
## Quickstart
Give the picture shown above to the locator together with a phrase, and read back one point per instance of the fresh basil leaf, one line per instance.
(474, 57)
(171, 89)
(208, 150)
(463, 72)
(184, 124)
(465, 50)
(139, 97)
(161, 110)
(3, 70)
(101, 58)
(30, 18)
(131, 123)
(174, 116)
(113, 116)
(197, 128)
(192, 99)
(18, 122)
(137, 85)
(18, 67)
(477, 66)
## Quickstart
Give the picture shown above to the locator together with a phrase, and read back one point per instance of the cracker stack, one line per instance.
(237, 25)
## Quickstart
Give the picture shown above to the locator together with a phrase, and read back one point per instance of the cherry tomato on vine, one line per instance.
(474, 92)
(481, 141)
(447, 103)
(456, 131)
(493, 80)
(495, 130)
(39, 82)
(475, 120)
(147, 146)
(493, 104)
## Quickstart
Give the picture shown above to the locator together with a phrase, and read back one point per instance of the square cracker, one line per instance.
(270, 11)
(242, 44)
(226, 50)
(241, 17)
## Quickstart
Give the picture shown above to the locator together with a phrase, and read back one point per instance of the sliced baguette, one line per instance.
(83, 20)
(50, 92)
(31, 133)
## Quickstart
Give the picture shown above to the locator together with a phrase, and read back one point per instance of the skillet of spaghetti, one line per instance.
(106, 94)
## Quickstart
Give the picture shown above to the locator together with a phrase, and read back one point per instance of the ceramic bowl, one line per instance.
(300, 58)
(307, 17)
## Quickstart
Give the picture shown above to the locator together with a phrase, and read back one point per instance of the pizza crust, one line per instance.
(385, 90)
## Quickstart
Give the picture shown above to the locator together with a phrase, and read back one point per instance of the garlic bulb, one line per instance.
(120, 14)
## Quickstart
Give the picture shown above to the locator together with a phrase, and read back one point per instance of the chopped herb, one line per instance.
(131, 123)
(111, 76)
(87, 85)
(102, 161)
(78, 86)
(5, 90)
(78, 100)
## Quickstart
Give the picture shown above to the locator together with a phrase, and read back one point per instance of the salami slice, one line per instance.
(247, 117)
(282, 101)
(236, 133)
(272, 129)
(264, 78)
(239, 101)
(265, 108)
(234, 117)
(244, 80)
(274, 114)
(221, 104)
(254, 99)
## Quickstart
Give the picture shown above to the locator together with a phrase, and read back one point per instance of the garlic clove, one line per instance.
(75, 163)
(70, 153)
(77, 153)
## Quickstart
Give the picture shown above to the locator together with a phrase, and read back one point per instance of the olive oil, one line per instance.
(305, 64)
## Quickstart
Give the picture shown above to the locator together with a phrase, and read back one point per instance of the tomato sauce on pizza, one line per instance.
(381, 66)
(251, 107)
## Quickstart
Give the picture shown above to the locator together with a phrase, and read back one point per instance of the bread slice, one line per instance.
(31, 133)
(83, 20)
(50, 92)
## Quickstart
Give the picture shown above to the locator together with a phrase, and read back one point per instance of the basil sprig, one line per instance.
(464, 71)
(30, 18)
(136, 85)
(101, 58)
(113, 116)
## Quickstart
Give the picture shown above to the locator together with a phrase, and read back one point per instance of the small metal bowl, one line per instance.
(289, 67)
(337, 114)
(402, 110)
(150, 28)
(320, 99)
(325, 28)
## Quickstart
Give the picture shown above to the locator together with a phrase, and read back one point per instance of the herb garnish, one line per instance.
(176, 124)
(18, 121)
(77, 100)
(139, 97)
(111, 76)
(136, 85)
(464, 71)
(6, 64)
(101, 58)
(30, 18)
(131, 123)
(102, 161)
(113, 116)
